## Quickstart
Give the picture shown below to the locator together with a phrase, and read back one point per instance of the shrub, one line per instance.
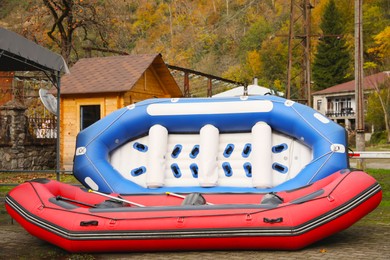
(379, 137)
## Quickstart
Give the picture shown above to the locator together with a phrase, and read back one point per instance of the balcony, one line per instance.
(343, 113)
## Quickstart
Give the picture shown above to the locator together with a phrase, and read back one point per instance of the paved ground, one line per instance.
(366, 241)
(373, 163)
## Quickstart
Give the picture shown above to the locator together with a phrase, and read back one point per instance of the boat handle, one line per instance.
(89, 223)
(330, 198)
(273, 220)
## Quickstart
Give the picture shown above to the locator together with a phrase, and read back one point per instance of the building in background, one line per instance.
(338, 102)
(96, 87)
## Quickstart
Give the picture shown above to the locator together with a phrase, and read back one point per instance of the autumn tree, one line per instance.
(332, 61)
(375, 20)
(378, 111)
(87, 18)
(380, 52)
(7, 6)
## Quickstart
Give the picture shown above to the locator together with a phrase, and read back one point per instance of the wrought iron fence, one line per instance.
(40, 130)
(345, 112)
(42, 127)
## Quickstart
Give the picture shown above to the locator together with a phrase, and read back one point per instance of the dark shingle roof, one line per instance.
(109, 74)
(349, 86)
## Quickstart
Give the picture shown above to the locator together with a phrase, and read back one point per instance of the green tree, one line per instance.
(257, 33)
(274, 53)
(332, 61)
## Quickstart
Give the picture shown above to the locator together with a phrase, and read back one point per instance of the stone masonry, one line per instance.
(19, 149)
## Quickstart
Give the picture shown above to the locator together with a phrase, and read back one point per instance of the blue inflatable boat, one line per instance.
(209, 145)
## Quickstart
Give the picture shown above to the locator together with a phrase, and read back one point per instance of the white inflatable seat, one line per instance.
(158, 142)
(208, 156)
(261, 155)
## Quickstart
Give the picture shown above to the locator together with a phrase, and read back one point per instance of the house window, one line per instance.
(342, 104)
(319, 105)
(330, 105)
(337, 105)
(89, 114)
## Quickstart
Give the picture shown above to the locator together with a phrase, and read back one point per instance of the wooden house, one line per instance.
(96, 87)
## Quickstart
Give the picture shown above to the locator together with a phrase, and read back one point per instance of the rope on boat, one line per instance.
(322, 165)
(307, 122)
(100, 174)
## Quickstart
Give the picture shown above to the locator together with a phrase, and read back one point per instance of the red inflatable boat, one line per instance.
(79, 220)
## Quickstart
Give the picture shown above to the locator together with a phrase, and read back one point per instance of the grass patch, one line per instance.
(9, 180)
(381, 215)
(20, 177)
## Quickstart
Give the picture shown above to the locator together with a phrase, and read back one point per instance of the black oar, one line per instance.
(182, 197)
(75, 201)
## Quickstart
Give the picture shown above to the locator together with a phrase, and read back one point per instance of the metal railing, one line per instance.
(42, 127)
(348, 112)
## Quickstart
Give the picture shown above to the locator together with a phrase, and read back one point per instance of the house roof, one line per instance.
(20, 54)
(368, 84)
(114, 74)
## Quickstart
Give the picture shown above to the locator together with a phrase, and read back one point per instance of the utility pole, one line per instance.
(307, 50)
(305, 62)
(359, 94)
(290, 48)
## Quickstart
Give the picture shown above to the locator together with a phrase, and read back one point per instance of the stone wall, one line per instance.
(19, 149)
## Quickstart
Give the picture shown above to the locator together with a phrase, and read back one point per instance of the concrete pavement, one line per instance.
(368, 241)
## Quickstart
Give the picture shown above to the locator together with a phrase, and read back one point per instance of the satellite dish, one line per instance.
(48, 100)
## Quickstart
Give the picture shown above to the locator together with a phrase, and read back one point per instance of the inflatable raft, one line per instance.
(238, 144)
(79, 220)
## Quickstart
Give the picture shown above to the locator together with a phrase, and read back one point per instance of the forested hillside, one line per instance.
(238, 39)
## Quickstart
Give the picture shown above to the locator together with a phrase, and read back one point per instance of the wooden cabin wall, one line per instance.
(148, 86)
(70, 119)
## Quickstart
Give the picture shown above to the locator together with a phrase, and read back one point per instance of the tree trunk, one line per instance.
(385, 113)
